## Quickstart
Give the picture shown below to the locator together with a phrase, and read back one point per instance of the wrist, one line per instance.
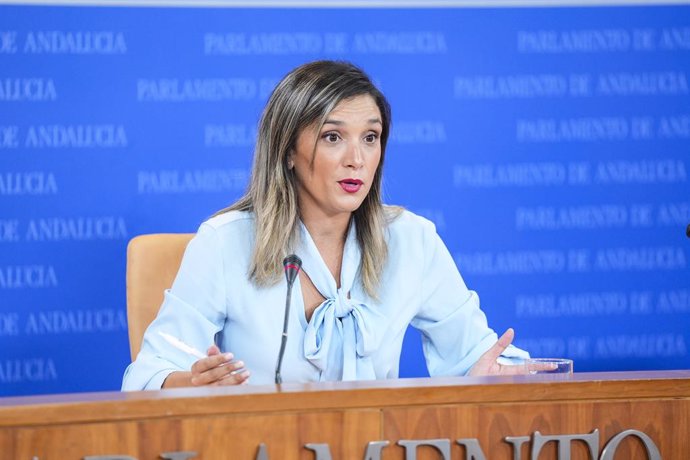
(177, 379)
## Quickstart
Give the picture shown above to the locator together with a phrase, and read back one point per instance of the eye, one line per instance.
(371, 138)
(331, 137)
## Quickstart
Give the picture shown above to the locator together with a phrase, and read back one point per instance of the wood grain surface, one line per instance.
(230, 423)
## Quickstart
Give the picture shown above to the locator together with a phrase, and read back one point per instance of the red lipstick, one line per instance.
(351, 185)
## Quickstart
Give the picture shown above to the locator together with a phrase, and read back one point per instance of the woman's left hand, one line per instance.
(487, 364)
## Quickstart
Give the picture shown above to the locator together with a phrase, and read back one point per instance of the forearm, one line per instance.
(178, 379)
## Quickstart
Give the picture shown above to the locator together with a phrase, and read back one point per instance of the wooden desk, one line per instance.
(230, 423)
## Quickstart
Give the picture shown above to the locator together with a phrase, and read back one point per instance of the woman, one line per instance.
(368, 270)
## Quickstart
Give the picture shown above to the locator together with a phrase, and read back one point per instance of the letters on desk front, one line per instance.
(473, 450)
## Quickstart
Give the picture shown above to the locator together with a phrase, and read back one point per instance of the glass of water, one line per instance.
(560, 366)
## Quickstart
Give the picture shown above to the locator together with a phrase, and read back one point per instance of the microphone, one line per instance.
(687, 231)
(292, 265)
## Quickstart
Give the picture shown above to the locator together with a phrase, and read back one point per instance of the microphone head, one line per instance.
(292, 265)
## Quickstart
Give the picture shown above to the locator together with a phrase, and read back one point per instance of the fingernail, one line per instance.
(239, 364)
(227, 356)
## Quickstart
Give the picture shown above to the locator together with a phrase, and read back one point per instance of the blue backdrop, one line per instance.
(551, 147)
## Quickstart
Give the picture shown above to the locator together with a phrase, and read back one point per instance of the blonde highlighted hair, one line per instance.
(303, 98)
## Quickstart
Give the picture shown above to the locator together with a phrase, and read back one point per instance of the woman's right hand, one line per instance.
(215, 369)
(218, 369)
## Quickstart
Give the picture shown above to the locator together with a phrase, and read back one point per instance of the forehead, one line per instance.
(358, 107)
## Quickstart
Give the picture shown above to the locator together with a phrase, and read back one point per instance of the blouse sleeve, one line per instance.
(193, 310)
(454, 329)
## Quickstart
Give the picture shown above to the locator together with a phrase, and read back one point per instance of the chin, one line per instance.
(354, 205)
(347, 207)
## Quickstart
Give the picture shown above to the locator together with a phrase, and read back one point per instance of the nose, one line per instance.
(355, 157)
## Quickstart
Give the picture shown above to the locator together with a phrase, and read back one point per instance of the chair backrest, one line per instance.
(152, 263)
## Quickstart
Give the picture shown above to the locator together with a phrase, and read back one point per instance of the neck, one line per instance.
(327, 229)
(328, 234)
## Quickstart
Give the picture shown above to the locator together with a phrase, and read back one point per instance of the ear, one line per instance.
(290, 160)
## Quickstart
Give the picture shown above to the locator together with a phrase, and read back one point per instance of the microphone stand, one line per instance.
(283, 339)
(292, 265)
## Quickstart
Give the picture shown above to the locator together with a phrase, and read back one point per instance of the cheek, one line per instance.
(324, 169)
(314, 177)
(374, 162)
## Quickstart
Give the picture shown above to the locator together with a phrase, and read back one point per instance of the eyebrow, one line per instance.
(370, 121)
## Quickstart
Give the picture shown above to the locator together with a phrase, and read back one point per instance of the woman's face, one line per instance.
(335, 166)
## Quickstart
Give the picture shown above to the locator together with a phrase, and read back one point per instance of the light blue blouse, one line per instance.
(350, 335)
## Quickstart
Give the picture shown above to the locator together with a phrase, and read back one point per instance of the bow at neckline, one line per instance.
(342, 334)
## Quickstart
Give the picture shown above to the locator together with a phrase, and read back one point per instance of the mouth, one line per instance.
(351, 185)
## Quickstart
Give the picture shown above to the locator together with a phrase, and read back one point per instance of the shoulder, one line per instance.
(408, 232)
(404, 224)
(228, 221)
(231, 223)
(231, 230)
(412, 243)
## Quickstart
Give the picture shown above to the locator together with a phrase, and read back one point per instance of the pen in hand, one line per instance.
(180, 345)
